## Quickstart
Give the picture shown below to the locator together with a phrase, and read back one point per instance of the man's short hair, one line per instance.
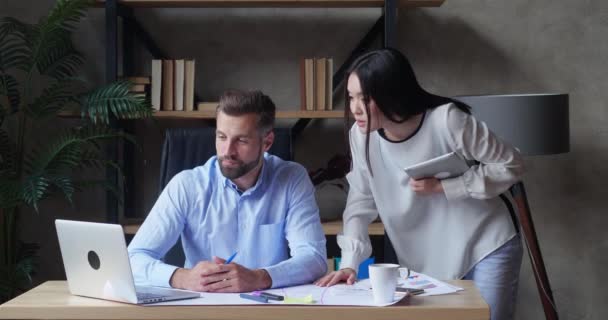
(238, 102)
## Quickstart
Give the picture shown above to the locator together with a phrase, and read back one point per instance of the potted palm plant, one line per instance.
(39, 68)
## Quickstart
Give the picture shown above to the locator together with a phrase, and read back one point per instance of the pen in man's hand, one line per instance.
(231, 258)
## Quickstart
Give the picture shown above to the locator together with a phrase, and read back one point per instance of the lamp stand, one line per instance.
(536, 259)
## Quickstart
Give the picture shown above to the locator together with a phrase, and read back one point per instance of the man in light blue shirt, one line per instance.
(243, 200)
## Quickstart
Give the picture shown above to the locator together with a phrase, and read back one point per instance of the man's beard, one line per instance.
(240, 170)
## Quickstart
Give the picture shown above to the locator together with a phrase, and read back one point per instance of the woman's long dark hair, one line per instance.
(387, 77)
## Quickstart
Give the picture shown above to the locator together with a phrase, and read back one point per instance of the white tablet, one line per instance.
(443, 167)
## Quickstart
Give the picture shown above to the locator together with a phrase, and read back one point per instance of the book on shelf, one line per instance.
(316, 84)
(303, 84)
(310, 90)
(167, 85)
(138, 88)
(172, 84)
(320, 69)
(189, 85)
(207, 106)
(178, 85)
(138, 80)
(157, 71)
(329, 81)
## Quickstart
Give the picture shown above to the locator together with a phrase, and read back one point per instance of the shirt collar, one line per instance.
(228, 183)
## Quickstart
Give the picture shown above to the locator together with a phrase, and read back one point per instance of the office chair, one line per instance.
(186, 148)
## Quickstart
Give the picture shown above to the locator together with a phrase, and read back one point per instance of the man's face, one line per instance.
(239, 144)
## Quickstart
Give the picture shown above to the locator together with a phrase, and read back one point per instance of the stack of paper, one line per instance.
(430, 285)
(359, 294)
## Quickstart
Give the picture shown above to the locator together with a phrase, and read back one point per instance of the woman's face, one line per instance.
(357, 107)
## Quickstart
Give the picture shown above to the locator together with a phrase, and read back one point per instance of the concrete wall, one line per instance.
(463, 47)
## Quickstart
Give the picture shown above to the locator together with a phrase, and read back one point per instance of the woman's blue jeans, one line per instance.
(497, 276)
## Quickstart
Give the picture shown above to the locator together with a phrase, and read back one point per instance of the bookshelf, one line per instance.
(335, 227)
(281, 114)
(385, 27)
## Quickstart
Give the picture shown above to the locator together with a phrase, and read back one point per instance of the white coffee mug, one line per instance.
(383, 277)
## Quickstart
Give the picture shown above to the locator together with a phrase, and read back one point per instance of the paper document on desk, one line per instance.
(430, 285)
(359, 294)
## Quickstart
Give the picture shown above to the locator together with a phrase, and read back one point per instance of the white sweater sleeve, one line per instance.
(360, 208)
(500, 164)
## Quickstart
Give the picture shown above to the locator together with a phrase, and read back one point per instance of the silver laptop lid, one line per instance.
(96, 260)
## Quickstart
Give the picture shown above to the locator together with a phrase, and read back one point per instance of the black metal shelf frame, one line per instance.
(384, 27)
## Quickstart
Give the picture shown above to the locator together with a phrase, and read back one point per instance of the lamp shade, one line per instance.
(537, 124)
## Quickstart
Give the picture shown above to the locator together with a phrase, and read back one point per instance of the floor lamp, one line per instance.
(537, 124)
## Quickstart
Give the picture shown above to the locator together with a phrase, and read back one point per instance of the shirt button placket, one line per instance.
(242, 218)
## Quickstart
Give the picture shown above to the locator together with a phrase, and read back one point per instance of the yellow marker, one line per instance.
(305, 300)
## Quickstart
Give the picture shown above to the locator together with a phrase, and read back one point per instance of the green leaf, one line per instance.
(68, 150)
(64, 184)
(18, 275)
(53, 33)
(62, 154)
(35, 189)
(114, 99)
(8, 151)
(58, 96)
(62, 60)
(12, 27)
(3, 111)
(11, 194)
(13, 53)
(40, 42)
(24, 270)
(10, 89)
(67, 13)
(74, 149)
(92, 157)
(27, 262)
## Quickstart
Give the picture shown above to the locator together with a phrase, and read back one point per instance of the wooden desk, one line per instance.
(51, 300)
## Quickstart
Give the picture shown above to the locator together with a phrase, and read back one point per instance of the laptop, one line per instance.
(97, 265)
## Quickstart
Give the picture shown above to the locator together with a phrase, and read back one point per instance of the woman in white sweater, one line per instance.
(456, 228)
